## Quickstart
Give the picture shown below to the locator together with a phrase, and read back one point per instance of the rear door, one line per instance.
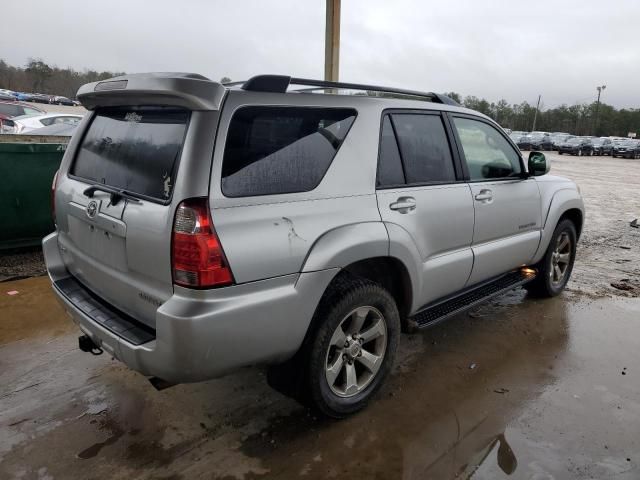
(420, 189)
(119, 246)
(506, 204)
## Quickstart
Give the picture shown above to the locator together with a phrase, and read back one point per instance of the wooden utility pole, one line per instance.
(535, 117)
(332, 41)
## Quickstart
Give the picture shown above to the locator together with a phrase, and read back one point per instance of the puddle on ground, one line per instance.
(545, 397)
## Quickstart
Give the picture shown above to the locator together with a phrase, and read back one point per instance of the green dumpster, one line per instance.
(27, 166)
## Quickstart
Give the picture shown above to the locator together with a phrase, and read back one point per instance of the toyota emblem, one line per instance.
(92, 209)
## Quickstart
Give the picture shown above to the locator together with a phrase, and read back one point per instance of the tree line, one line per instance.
(39, 77)
(580, 119)
(583, 119)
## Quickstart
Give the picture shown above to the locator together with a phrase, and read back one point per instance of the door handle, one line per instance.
(404, 204)
(484, 196)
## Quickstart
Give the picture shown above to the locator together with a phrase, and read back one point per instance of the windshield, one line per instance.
(574, 141)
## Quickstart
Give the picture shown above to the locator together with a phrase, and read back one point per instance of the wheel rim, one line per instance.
(356, 351)
(560, 259)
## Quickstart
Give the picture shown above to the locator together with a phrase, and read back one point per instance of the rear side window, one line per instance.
(133, 148)
(390, 171)
(424, 148)
(275, 150)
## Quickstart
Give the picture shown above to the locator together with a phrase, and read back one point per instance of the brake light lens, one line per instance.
(54, 185)
(197, 257)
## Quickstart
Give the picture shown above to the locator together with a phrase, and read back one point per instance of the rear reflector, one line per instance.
(197, 256)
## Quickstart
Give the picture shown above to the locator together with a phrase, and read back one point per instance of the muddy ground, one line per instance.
(519, 388)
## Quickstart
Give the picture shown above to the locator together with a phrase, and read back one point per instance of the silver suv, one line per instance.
(296, 223)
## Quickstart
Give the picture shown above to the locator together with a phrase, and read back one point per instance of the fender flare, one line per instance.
(347, 244)
(403, 247)
(562, 201)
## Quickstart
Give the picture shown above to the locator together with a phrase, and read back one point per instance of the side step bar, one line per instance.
(441, 310)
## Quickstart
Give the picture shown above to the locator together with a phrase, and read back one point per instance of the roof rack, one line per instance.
(281, 83)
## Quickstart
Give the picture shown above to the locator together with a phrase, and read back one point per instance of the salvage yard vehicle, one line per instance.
(540, 141)
(204, 227)
(524, 142)
(626, 149)
(27, 123)
(59, 100)
(560, 138)
(576, 146)
(15, 109)
(602, 146)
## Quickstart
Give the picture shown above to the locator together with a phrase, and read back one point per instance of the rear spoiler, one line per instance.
(187, 90)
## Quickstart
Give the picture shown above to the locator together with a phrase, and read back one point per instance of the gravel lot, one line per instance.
(518, 388)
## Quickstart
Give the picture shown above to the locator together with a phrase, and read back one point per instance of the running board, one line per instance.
(441, 310)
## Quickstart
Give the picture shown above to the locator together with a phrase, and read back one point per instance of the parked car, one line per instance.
(8, 94)
(626, 149)
(602, 146)
(540, 141)
(58, 129)
(58, 100)
(576, 146)
(6, 124)
(524, 141)
(40, 98)
(27, 123)
(557, 139)
(23, 97)
(249, 225)
(15, 109)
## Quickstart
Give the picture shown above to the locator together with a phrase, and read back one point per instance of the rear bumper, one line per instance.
(203, 334)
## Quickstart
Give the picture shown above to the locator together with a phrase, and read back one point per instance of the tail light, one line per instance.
(198, 260)
(54, 184)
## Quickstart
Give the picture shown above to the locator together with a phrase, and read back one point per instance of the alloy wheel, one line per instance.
(356, 351)
(560, 259)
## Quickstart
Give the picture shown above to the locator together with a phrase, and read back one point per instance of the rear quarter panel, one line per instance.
(271, 235)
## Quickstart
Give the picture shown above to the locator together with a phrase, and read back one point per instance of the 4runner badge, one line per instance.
(92, 209)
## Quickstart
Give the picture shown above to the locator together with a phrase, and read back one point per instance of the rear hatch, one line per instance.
(126, 172)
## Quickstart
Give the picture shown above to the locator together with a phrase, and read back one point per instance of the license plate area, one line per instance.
(103, 238)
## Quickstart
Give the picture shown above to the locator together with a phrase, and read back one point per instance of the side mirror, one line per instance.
(538, 164)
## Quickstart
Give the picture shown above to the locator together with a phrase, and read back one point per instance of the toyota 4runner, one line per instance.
(296, 223)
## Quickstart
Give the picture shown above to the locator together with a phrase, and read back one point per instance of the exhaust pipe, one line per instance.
(87, 345)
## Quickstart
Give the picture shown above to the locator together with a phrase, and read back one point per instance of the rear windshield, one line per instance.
(134, 149)
(275, 150)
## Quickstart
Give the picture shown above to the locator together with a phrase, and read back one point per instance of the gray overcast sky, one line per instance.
(493, 49)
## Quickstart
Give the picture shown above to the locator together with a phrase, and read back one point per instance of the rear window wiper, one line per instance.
(116, 194)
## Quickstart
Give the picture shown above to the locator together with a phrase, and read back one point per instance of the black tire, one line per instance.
(559, 152)
(543, 286)
(344, 296)
(580, 152)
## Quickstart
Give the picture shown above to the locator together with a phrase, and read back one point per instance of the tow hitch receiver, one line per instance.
(86, 345)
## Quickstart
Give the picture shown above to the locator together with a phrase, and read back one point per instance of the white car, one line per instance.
(26, 123)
